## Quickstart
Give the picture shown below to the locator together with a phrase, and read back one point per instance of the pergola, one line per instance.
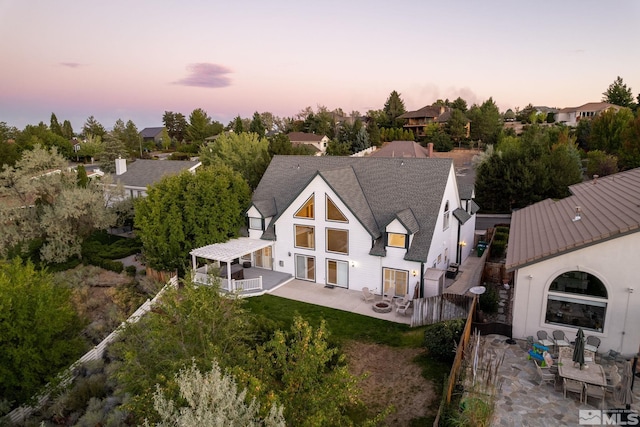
(227, 252)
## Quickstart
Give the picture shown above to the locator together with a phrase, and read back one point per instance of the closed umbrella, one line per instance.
(578, 348)
(622, 392)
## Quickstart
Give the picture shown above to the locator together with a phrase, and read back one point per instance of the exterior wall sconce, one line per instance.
(414, 272)
(289, 253)
(353, 263)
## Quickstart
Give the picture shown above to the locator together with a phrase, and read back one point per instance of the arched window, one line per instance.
(577, 299)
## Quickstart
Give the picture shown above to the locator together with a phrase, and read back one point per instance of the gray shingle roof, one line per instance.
(376, 190)
(151, 132)
(609, 207)
(142, 173)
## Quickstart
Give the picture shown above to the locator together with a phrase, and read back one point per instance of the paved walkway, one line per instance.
(523, 402)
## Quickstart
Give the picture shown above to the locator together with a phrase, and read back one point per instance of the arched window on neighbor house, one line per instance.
(577, 299)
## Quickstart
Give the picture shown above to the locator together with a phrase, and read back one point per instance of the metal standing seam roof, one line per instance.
(375, 190)
(608, 207)
(228, 251)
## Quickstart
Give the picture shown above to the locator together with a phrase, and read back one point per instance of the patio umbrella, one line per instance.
(578, 348)
(622, 392)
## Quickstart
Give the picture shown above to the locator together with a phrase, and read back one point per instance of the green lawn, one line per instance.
(342, 325)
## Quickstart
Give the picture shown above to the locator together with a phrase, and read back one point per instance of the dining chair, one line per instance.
(545, 377)
(592, 343)
(543, 338)
(592, 390)
(560, 339)
(573, 386)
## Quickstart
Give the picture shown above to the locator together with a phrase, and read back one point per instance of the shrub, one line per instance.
(498, 248)
(131, 270)
(441, 339)
(179, 156)
(502, 229)
(501, 237)
(489, 300)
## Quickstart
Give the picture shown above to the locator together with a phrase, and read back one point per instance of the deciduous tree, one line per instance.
(187, 211)
(39, 330)
(176, 125)
(44, 202)
(246, 153)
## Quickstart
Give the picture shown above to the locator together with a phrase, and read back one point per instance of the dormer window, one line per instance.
(397, 240)
(446, 216)
(256, 224)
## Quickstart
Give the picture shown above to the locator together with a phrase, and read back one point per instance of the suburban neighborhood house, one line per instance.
(393, 225)
(152, 135)
(317, 142)
(417, 120)
(573, 261)
(137, 176)
(572, 115)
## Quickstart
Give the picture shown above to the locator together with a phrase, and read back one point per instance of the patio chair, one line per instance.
(543, 339)
(403, 307)
(560, 339)
(573, 386)
(592, 390)
(367, 295)
(545, 377)
(592, 343)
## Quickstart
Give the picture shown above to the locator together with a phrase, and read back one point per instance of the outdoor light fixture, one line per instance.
(414, 272)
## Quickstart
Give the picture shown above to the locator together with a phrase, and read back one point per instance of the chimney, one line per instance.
(578, 214)
(430, 149)
(595, 179)
(121, 166)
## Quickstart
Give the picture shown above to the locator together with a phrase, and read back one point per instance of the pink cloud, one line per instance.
(71, 64)
(205, 75)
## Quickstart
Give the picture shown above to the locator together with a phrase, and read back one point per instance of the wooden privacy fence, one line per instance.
(96, 353)
(457, 362)
(438, 308)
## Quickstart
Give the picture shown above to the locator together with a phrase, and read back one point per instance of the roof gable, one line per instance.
(366, 186)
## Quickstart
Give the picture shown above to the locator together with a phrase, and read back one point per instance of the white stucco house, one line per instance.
(382, 223)
(572, 115)
(574, 263)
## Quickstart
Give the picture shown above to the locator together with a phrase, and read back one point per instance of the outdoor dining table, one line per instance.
(591, 373)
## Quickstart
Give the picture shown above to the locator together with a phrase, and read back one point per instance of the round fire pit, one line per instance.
(382, 307)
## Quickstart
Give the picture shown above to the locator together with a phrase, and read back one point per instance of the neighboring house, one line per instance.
(417, 120)
(317, 142)
(152, 135)
(404, 149)
(572, 115)
(137, 176)
(574, 263)
(388, 224)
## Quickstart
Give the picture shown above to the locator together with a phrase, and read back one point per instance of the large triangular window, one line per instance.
(333, 213)
(307, 210)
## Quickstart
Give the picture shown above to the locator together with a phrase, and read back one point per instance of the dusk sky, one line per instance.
(136, 59)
